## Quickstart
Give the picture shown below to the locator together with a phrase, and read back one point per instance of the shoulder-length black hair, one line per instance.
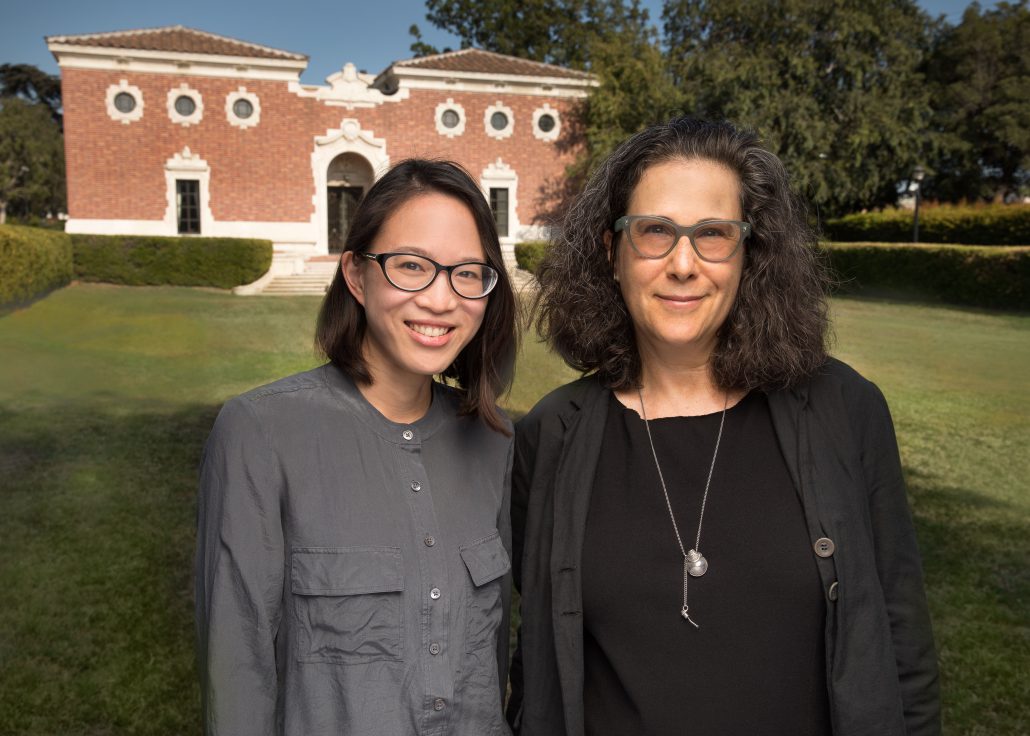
(484, 368)
(775, 333)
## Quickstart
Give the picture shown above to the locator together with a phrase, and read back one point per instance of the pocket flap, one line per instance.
(486, 559)
(346, 570)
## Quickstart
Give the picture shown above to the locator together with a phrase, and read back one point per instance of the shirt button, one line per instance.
(832, 592)
(438, 704)
(416, 486)
(434, 593)
(430, 541)
(824, 547)
(434, 648)
(407, 434)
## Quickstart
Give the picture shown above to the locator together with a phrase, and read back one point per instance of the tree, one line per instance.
(31, 159)
(980, 73)
(32, 84)
(833, 87)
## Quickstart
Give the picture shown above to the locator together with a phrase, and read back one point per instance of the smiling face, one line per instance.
(412, 336)
(679, 302)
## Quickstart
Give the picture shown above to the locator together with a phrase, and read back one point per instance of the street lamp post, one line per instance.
(917, 184)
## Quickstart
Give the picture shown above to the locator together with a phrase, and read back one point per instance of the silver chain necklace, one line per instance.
(694, 563)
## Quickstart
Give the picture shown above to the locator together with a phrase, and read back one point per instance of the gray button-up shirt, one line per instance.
(352, 572)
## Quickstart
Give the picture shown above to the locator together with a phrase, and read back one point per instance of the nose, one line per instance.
(682, 260)
(438, 296)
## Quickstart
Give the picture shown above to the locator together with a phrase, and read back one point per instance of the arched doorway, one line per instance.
(349, 177)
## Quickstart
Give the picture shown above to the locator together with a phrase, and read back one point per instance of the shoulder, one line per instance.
(561, 401)
(251, 408)
(839, 380)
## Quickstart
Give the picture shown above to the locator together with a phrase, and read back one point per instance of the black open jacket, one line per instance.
(838, 441)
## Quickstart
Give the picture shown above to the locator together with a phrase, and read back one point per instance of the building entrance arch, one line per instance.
(345, 163)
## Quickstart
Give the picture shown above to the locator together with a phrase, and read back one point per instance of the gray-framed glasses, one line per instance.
(653, 236)
(410, 272)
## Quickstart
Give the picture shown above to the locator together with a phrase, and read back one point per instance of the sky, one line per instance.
(370, 33)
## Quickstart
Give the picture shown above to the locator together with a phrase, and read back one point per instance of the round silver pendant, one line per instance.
(697, 565)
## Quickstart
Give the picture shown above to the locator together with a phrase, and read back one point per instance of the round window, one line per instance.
(124, 102)
(185, 106)
(546, 123)
(498, 121)
(450, 118)
(242, 109)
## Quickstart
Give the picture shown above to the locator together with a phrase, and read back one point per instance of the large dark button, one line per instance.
(434, 648)
(438, 704)
(824, 547)
(832, 592)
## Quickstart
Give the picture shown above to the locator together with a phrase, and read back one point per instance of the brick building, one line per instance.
(178, 131)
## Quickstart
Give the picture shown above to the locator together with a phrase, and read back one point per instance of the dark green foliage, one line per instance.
(33, 262)
(34, 85)
(955, 274)
(991, 225)
(529, 254)
(980, 74)
(833, 87)
(31, 160)
(139, 260)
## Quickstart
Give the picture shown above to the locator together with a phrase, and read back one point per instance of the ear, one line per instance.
(609, 249)
(354, 275)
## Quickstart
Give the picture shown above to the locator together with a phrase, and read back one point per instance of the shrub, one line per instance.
(997, 277)
(33, 262)
(998, 224)
(529, 254)
(139, 260)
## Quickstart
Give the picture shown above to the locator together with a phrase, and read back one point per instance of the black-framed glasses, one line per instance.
(653, 236)
(411, 272)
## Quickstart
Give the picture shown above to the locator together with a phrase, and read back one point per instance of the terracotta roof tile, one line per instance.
(488, 62)
(176, 39)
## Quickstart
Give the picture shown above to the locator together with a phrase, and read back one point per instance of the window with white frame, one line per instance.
(185, 105)
(546, 123)
(450, 118)
(187, 206)
(499, 121)
(124, 102)
(499, 206)
(242, 108)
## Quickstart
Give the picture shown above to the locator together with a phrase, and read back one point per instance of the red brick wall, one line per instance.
(263, 173)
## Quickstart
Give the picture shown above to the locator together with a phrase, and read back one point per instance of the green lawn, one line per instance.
(107, 393)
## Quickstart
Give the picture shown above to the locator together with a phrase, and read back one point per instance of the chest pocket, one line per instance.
(348, 603)
(487, 562)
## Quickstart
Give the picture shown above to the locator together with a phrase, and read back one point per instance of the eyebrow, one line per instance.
(415, 250)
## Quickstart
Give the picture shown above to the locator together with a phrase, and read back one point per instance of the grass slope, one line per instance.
(107, 394)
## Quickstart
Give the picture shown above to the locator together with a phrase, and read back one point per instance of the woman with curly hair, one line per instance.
(711, 531)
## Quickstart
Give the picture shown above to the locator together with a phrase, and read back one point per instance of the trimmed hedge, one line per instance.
(33, 262)
(969, 275)
(999, 224)
(142, 260)
(529, 254)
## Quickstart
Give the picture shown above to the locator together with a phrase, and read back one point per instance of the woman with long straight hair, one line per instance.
(353, 530)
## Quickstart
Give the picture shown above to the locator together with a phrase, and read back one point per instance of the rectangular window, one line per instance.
(187, 204)
(499, 205)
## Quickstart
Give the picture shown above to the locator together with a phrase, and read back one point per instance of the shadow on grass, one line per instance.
(97, 508)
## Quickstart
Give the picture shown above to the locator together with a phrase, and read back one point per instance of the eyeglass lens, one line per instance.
(713, 240)
(413, 273)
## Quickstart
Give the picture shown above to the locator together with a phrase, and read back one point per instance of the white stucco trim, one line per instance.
(74, 56)
(188, 165)
(348, 138)
(549, 135)
(510, 84)
(117, 115)
(500, 175)
(184, 90)
(230, 114)
(442, 129)
(504, 132)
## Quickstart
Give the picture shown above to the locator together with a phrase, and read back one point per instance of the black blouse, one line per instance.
(756, 665)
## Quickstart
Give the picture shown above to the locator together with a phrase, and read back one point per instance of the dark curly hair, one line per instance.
(484, 368)
(777, 330)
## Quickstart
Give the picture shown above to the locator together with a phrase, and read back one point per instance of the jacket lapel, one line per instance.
(584, 429)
